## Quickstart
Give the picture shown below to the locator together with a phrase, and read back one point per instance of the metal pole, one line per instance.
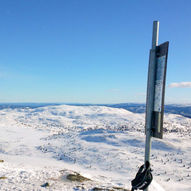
(150, 91)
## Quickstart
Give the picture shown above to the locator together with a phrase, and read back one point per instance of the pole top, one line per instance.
(155, 34)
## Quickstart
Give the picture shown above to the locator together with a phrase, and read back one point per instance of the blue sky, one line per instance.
(90, 51)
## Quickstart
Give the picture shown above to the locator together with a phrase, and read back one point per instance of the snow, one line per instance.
(104, 144)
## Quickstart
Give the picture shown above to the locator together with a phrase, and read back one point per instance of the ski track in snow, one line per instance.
(102, 143)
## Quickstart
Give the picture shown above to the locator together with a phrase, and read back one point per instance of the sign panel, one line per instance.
(160, 72)
(160, 79)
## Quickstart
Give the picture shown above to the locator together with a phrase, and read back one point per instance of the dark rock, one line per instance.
(45, 185)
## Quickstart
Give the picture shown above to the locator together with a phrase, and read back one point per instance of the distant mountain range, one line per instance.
(184, 110)
(140, 108)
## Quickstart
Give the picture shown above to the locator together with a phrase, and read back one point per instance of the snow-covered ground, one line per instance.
(105, 145)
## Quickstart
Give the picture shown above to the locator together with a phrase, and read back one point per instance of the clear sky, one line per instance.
(90, 51)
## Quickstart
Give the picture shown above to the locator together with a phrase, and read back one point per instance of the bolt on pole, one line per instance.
(150, 91)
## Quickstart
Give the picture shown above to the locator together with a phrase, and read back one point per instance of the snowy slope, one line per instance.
(104, 144)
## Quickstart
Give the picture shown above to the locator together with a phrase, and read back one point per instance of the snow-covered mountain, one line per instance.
(104, 144)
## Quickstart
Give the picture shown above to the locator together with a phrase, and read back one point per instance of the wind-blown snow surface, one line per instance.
(104, 144)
